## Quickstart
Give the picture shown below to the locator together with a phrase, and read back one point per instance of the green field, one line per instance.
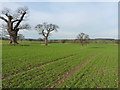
(59, 65)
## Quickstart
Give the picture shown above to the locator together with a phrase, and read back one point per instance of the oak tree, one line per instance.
(45, 30)
(13, 22)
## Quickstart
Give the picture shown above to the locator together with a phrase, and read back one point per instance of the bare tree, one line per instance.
(13, 22)
(45, 29)
(86, 39)
(83, 38)
(64, 41)
(80, 37)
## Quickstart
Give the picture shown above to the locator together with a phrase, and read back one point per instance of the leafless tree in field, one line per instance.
(45, 29)
(13, 22)
(86, 39)
(83, 38)
(80, 37)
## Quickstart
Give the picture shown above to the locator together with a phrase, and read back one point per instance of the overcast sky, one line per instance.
(97, 19)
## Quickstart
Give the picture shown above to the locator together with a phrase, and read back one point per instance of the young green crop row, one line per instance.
(19, 58)
(101, 72)
(46, 76)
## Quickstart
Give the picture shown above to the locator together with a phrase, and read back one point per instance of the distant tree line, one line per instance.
(13, 24)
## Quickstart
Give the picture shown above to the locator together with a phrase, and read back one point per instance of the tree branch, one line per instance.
(25, 26)
(19, 21)
(3, 19)
(43, 33)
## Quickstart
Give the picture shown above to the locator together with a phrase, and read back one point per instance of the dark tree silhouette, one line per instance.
(13, 22)
(87, 39)
(45, 29)
(83, 38)
(80, 37)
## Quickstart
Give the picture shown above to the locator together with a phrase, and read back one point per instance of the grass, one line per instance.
(34, 66)
(101, 72)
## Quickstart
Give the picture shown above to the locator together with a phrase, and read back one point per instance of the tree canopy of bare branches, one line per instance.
(45, 30)
(83, 38)
(13, 22)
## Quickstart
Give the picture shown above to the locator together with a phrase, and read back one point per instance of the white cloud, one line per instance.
(105, 34)
(73, 21)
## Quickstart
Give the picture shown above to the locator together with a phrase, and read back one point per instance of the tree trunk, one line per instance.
(46, 41)
(81, 41)
(13, 37)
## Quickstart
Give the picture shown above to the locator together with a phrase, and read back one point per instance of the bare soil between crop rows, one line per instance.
(72, 72)
(31, 68)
